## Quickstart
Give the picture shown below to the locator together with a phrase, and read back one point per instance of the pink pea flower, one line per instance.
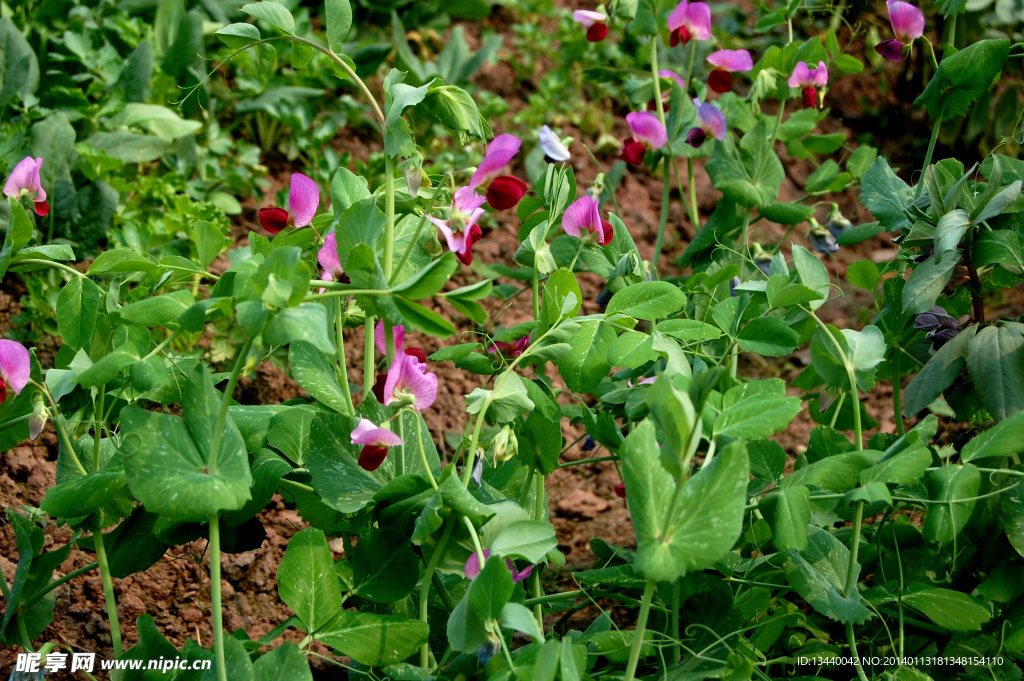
(472, 568)
(409, 382)
(461, 230)
(908, 25)
(398, 333)
(303, 200)
(584, 215)
(15, 367)
(597, 29)
(24, 181)
(809, 80)
(666, 89)
(503, 191)
(330, 262)
(727, 62)
(710, 123)
(551, 145)
(375, 441)
(689, 21)
(648, 133)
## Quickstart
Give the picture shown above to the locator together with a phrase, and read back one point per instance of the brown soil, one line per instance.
(582, 502)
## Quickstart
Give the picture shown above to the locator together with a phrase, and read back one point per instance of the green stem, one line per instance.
(108, 591)
(419, 229)
(26, 640)
(225, 403)
(897, 390)
(400, 459)
(15, 422)
(657, 80)
(641, 629)
(538, 512)
(435, 558)
(692, 188)
(676, 648)
(506, 653)
(536, 292)
(851, 585)
(423, 452)
(581, 462)
(298, 485)
(659, 241)
(215, 599)
(97, 427)
(381, 119)
(50, 263)
(467, 473)
(369, 359)
(930, 151)
(342, 362)
(389, 206)
(551, 598)
(476, 541)
(67, 578)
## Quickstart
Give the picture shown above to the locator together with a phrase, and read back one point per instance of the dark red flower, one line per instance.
(417, 353)
(680, 36)
(597, 32)
(608, 233)
(633, 151)
(372, 457)
(720, 80)
(620, 490)
(505, 192)
(273, 219)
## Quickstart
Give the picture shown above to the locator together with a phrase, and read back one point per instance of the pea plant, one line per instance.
(875, 554)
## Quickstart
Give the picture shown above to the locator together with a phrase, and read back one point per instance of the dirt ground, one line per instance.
(175, 591)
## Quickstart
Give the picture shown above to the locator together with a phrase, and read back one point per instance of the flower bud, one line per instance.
(39, 416)
(837, 222)
(505, 445)
(413, 171)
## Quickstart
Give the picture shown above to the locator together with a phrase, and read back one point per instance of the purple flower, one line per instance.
(907, 24)
(940, 325)
(822, 240)
(24, 181)
(711, 122)
(472, 568)
(584, 215)
(809, 80)
(597, 29)
(409, 382)
(15, 367)
(375, 441)
(589, 444)
(510, 350)
(461, 230)
(648, 133)
(727, 63)
(689, 21)
(503, 191)
(303, 200)
(553, 148)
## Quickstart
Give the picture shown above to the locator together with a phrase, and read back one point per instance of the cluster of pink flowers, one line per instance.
(24, 181)
(407, 383)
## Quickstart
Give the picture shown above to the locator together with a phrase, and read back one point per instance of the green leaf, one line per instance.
(518, 617)
(237, 36)
(19, 70)
(306, 323)
(586, 364)
(768, 336)
(886, 196)
(812, 274)
(963, 77)
(755, 177)
(429, 280)
(508, 401)
(706, 521)
(307, 581)
(339, 23)
(950, 230)
(78, 307)
(81, 496)
(938, 374)
(317, 375)
(561, 299)
(284, 663)
(530, 540)
(491, 589)
(952, 610)
(863, 351)
(159, 310)
(1006, 438)
(905, 468)
(372, 639)
(951, 486)
(209, 240)
(19, 232)
(272, 13)
(649, 300)
(757, 418)
(384, 567)
(818, 573)
(167, 458)
(995, 362)
(863, 274)
(457, 111)
(860, 160)
(423, 319)
(788, 511)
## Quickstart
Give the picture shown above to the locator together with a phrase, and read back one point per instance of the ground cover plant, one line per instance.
(798, 358)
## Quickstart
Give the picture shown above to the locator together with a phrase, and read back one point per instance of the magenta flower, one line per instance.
(689, 21)
(908, 25)
(554, 150)
(375, 441)
(727, 62)
(15, 367)
(510, 350)
(648, 133)
(303, 200)
(461, 230)
(666, 90)
(503, 191)
(472, 568)
(584, 215)
(24, 181)
(710, 123)
(808, 80)
(409, 383)
(597, 29)
(329, 261)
